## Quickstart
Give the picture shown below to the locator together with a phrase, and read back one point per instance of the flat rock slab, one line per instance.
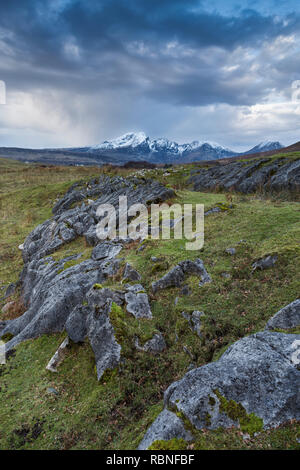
(259, 372)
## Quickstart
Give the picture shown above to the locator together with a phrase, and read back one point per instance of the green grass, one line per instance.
(115, 412)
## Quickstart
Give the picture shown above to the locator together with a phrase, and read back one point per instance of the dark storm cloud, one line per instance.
(96, 45)
(82, 71)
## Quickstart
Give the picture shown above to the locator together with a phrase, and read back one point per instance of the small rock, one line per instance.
(58, 356)
(154, 345)
(167, 426)
(155, 259)
(130, 273)
(226, 275)
(177, 275)
(264, 263)
(231, 251)
(138, 305)
(196, 321)
(52, 390)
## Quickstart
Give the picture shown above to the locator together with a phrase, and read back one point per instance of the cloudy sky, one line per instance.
(78, 72)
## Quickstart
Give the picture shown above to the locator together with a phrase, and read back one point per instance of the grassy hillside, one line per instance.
(70, 409)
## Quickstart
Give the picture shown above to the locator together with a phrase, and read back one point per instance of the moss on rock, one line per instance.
(249, 423)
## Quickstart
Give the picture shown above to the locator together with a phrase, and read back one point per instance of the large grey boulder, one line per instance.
(177, 275)
(286, 318)
(255, 383)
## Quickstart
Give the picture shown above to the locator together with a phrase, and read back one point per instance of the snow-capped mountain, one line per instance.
(131, 139)
(265, 147)
(161, 150)
(138, 146)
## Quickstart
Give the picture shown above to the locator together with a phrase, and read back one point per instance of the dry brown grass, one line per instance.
(15, 309)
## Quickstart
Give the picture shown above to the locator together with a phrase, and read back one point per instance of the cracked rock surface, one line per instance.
(248, 177)
(59, 295)
(259, 372)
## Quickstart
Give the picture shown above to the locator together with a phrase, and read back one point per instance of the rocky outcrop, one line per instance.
(178, 274)
(60, 294)
(51, 293)
(69, 222)
(254, 385)
(246, 177)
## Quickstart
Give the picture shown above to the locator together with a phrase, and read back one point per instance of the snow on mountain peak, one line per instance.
(130, 139)
(162, 148)
(134, 139)
(269, 143)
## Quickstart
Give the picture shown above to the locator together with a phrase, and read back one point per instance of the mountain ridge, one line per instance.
(163, 150)
(136, 147)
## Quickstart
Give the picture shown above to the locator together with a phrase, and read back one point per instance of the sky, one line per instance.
(78, 72)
